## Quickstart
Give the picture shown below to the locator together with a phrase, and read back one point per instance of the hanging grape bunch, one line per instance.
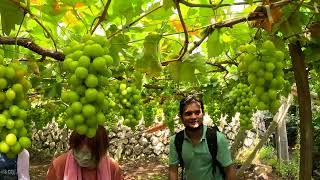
(87, 65)
(264, 67)
(129, 100)
(239, 97)
(13, 108)
(149, 113)
(170, 110)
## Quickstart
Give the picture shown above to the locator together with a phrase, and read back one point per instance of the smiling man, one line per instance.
(202, 152)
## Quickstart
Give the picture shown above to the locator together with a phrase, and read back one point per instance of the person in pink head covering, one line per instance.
(86, 160)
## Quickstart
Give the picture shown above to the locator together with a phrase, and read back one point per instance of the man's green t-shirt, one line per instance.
(197, 158)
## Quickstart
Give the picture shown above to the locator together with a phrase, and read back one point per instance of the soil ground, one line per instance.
(152, 169)
(148, 169)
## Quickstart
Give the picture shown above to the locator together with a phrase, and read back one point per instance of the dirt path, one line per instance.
(142, 169)
(148, 169)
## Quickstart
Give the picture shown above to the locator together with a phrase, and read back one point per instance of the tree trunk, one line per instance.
(276, 119)
(282, 141)
(238, 142)
(306, 131)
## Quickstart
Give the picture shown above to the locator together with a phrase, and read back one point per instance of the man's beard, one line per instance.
(188, 128)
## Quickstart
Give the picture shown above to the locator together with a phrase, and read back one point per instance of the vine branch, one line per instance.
(29, 44)
(135, 21)
(229, 23)
(26, 10)
(213, 5)
(185, 30)
(102, 17)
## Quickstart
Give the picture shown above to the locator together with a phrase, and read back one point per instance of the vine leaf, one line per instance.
(160, 14)
(292, 24)
(215, 46)
(182, 71)
(118, 42)
(53, 91)
(167, 4)
(10, 16)
(150, 63)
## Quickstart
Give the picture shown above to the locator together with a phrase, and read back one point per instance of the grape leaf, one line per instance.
(160, 14)
(10, 16)
(167, 4)
(214, 45)
(117, 43)
(53, 91)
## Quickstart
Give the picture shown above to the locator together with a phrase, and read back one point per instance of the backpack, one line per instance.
(211, 136)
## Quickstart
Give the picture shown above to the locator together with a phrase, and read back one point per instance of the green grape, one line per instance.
(170, 110)
(149, 114)
(88, 70)
(264, 74)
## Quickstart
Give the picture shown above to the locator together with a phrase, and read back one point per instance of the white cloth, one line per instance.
(23, 165)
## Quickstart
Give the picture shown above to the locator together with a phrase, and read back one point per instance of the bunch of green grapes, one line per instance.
(213, 110)
(264, 68)
(111, 119)
(13, 108)
(129, 101)
(40, 115)
(240, 97)
(149, 114)
(87, 66)
(59, 115)
(170, 110)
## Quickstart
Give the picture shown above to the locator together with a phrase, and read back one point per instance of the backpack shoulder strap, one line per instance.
(212, 142)
(178, 141)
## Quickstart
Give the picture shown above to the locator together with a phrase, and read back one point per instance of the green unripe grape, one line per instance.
(70, 124)
(260, 73)
(91, 132)
(250, 48)
(2, 71)
(67, 50)
(109, 60)
(260, 81)
(252, 78)
(73, 66)
(77, 54)
(84, 61)
(78, 119)
(253, 67)
(268, 76)
(81, 72)
(99, 64)
(81, 129)
(259, 90)
(66, 64)
(3, 83)
(91, 81)
(265, 97)
(10, 95)
(88, 110)
(270, 67)
(262, 106)
(91, 94)
(279, 55)
(76, 107)
(268, 45)
(10, 73)
(249, 58)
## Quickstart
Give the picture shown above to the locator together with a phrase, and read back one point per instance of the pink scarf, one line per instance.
(72, 170)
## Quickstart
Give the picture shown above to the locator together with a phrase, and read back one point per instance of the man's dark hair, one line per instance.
(188, 100)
